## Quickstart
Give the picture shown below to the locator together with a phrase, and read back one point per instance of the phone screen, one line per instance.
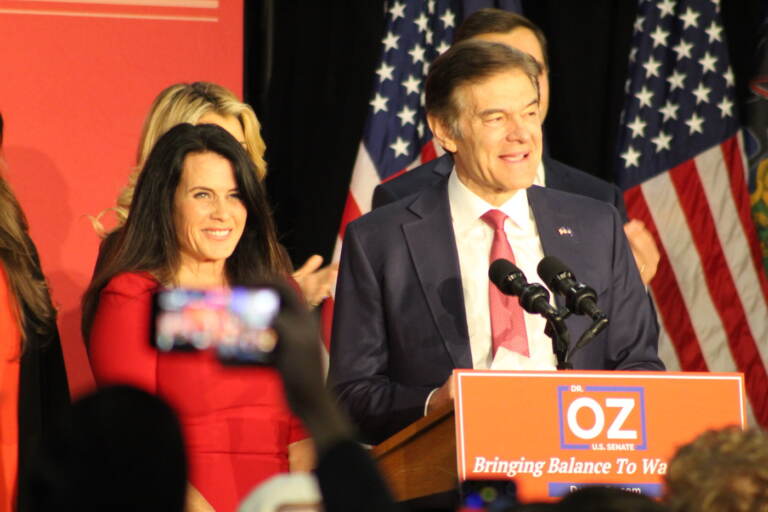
(235, 322)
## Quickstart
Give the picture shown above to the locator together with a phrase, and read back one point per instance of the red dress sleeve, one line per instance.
(297, 432)
(119, 348)
(10, 344)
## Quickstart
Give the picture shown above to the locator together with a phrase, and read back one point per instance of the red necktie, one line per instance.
(507, 324)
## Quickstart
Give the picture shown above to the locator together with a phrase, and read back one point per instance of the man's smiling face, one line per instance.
(497, 149)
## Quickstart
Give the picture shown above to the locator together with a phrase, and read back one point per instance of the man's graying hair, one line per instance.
(469, 62)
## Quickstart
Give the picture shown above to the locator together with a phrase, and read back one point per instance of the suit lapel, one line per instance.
(561, 234)
(432, 246)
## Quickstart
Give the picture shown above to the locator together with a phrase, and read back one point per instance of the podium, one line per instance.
(553, 432)
(420, 460)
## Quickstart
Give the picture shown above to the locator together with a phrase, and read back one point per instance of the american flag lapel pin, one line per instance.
(564, 231)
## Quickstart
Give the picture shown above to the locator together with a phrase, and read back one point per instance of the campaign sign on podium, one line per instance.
(553, 432)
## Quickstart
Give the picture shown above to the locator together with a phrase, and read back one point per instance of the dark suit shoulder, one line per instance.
(390, 214)
(560, 176)
(380, 227)
(412, 181)
(570, 202)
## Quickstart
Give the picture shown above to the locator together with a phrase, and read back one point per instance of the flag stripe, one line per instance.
(400, 173)
(428, 152)
(726, 299)
(700, 214)
(364, 180)
(671, 307)
(350, 213)
(679, 305)
(668, 351)
(717, 177)
(683, 259)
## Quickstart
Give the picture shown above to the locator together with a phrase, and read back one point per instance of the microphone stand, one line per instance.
(600, 323)
(558, 333)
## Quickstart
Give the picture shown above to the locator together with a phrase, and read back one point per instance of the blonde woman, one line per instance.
(209, 103)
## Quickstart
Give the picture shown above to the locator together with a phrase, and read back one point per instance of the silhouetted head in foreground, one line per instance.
(721, 470)
(608, 499)
(123, 451)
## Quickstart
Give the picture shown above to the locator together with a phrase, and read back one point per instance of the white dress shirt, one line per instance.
(539, 179)
(473, 241)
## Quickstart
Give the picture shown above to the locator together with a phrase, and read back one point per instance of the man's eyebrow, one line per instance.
(490, 111)
(534, 101)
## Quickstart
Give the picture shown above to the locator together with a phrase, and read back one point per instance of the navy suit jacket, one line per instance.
(400, 324)
(557, 175)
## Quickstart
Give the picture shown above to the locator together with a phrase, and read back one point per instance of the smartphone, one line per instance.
(235, 322)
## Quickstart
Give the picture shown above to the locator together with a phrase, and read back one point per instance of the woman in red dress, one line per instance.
(199, 219)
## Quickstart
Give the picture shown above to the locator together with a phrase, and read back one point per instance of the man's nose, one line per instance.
(518, 130)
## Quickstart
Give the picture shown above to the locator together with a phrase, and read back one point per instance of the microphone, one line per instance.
(510, 280)
(534, 298)
(579, 298)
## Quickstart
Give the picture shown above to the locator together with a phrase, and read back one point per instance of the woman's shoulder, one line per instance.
(132, 284)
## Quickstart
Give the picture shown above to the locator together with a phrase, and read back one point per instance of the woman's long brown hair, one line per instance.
(19, 257)
(148, 243)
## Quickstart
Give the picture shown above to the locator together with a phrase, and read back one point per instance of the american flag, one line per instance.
(681, 163)
(396, 137)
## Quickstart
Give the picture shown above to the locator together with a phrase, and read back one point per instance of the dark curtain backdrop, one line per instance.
(309, 69)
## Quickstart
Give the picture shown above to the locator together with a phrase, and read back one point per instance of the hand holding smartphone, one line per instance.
(235, 322)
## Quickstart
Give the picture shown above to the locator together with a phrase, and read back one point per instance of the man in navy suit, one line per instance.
(412, 300)
(514, 30)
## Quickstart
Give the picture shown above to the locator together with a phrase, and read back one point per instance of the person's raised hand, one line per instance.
(316, 283)
(644, 249)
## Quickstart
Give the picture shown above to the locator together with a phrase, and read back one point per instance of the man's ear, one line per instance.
(442, 133)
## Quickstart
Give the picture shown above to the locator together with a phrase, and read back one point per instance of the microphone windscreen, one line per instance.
(549, 267)
(500, 269)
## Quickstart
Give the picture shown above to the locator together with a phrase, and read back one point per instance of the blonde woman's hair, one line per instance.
(187, 103)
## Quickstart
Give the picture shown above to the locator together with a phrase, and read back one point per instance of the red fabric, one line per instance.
(10, 342)
(237, 425)
(507, 323)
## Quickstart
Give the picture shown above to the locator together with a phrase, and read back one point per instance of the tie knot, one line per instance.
(495, 219)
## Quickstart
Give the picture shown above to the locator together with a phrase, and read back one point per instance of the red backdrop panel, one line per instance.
(76, 80)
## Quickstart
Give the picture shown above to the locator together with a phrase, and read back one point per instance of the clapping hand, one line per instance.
(316, 283)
